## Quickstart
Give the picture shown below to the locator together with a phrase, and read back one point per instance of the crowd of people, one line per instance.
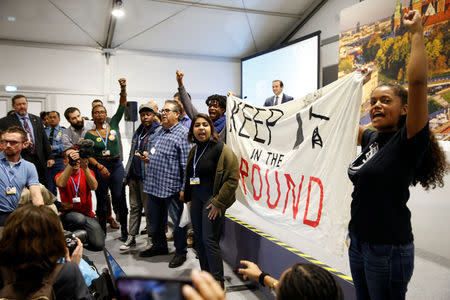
(179, 156)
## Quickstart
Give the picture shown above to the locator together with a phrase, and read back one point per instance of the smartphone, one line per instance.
(137, 288)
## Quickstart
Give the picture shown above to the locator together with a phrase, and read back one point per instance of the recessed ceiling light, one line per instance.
(10, 88)
(118, 9)
(11, 19)
(117, 12)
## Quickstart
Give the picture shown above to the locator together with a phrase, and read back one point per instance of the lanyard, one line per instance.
(105, 141)
(195, 157)
(140, 138)
(10, 179)
(77, 186)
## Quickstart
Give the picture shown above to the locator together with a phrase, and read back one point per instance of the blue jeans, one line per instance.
(157, 209)
(52, 172)
(380, 271)
(115, 185)
(74, 221)
(207, 237)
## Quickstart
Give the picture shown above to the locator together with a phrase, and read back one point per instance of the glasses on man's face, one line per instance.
(214, 104)
(165, 111)
(12, 143)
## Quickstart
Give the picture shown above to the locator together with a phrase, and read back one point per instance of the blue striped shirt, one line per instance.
(57, 145)
(164, 174)
(20, 175)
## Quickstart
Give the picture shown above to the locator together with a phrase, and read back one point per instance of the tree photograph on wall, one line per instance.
(372, 35)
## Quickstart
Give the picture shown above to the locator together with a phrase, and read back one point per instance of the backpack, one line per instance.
(45, 292)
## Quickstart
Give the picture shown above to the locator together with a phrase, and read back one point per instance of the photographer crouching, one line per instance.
(75, 184)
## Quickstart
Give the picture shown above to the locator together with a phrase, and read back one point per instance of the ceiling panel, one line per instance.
(168, 26)
(41, 21)
(196, 31)
(281, 6)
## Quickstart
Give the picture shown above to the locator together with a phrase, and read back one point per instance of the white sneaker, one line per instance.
(149, 243)
(131, 242)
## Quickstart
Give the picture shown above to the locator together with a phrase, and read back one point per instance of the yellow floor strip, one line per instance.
(293, 250)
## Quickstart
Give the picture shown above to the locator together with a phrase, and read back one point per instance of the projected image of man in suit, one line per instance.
(39, 152)
(279, 97)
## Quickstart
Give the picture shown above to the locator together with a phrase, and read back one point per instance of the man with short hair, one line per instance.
(78, 127)
(38, 151)
(15, 172)
(164, 183)
(135, 173)
(75, 184)
(54, 133)
(184, 118)
(279, 97)
(217, 105)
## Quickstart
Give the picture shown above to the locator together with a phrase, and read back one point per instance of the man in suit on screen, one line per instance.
(279, 97)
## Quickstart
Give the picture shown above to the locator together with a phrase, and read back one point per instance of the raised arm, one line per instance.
(123, 92)
(184, 97)
(417, 116)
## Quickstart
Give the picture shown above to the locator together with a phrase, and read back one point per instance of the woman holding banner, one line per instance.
(212, 175)
(401, 152)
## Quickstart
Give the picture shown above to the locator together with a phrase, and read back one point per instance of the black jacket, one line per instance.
(42, 146)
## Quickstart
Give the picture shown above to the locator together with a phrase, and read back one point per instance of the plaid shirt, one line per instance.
(164, 174)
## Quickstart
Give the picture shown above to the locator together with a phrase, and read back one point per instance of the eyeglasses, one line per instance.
(214, 104)
(12, 143)
(165, 111)
(99, 112)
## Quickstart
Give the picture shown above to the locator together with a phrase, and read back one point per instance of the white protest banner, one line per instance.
(294, 158)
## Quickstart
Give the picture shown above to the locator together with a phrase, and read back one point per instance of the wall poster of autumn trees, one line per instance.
(372, 34)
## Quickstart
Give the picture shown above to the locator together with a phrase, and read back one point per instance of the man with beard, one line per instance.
(78, 127)
(15, 172)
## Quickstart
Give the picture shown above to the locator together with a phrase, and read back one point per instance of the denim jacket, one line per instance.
(134, 142)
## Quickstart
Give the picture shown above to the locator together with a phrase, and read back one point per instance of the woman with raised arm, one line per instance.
(401, 152)
(108, 167)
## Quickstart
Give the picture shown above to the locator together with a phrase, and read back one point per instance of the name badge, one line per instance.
(348, 241)
(153, 150)
(76, 200)
(106, 153)
(194, 180)
(11, 190)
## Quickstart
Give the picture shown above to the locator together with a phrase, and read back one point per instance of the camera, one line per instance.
(71, 241)
(85, 148)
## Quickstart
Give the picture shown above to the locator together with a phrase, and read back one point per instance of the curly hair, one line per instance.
(431, 172)
(308, 281)
(221, 100)
(31, 245)
(434, 166)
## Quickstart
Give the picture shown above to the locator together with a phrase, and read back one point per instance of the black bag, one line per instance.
(102, 288)
(45, 292)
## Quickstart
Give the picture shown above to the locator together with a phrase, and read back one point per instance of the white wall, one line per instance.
(327, 20)
(74, 77)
